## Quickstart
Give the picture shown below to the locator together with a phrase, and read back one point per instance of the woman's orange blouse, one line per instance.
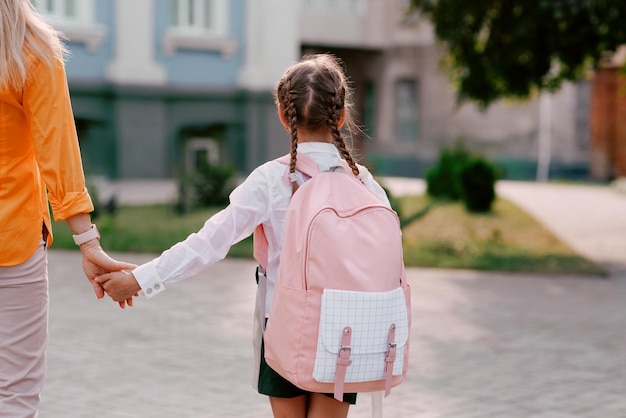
(40, 161)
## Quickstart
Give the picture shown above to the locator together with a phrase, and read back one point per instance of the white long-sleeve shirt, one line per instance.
(262, 198)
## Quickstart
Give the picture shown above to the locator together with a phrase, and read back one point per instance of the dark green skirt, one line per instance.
(273, 384)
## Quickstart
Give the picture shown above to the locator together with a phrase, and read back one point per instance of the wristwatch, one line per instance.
(88, 235)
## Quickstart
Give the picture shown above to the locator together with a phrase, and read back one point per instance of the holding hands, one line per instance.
(121, 286)
(96, 262)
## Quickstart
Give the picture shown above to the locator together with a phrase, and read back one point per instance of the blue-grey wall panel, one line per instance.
(203, 68)
(83, 64)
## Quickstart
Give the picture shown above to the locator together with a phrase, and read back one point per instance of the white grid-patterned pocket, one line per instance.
(369, 314)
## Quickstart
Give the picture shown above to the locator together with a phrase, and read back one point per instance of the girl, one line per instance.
(40, 165)
(313, 104)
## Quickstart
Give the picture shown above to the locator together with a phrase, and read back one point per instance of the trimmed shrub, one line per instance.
(478, 179)
(462, 175)
(443, 180)
(208, 186)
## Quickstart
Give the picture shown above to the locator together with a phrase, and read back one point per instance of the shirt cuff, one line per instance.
(149, 280)
(72, 203)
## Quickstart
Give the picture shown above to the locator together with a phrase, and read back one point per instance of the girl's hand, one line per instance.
(96, 261)
(121, 286)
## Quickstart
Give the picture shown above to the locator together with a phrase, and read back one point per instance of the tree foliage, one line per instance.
(510, 48)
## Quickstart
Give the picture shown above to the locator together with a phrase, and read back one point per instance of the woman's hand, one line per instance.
(96, 262)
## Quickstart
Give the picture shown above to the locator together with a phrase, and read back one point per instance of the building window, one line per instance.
(199, 25)
(335, 6)
(204, 16)
(199, 152)
(369, 109)
(407, 110)
(60, 9)
(76, 19)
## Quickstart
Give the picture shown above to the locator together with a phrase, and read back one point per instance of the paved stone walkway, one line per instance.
(483, 345)
(591, 219)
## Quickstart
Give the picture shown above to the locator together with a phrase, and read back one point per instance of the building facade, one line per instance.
(154, 84)
(158, 84)
(409, 108)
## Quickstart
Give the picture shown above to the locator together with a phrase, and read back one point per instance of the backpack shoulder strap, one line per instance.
(304, 164)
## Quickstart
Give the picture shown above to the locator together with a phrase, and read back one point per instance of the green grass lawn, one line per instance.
(146, 229)
(507, 239)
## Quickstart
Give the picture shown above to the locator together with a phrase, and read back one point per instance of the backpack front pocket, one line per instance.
(369, 315)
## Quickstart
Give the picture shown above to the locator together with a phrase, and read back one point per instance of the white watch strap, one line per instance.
(91, 233)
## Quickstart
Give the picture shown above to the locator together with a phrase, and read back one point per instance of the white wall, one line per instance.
(133, 62)
(272, 42)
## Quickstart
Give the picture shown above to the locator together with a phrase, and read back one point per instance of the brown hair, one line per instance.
(314, 95)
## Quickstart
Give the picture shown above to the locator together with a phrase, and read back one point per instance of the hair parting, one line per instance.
(314, 95)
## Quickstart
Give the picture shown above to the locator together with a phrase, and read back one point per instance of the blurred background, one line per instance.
(518, 298)
(173, 101)
(160, 86)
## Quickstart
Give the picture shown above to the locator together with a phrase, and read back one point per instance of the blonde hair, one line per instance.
(24, 35)
(314, 94)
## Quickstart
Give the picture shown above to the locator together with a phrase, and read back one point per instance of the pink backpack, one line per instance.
(340, 317)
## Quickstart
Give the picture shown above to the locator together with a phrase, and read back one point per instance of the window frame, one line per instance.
(209, 146)
(81, 28)
(352, 7)
(399, 124)
(199, 34)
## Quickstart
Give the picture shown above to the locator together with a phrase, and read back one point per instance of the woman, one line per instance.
(40, 165)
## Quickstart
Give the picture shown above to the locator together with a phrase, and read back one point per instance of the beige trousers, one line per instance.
(23, 335)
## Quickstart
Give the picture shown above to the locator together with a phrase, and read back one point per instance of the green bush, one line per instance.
(208, 186)
(478, 179)
(462, 175)
(443, 180)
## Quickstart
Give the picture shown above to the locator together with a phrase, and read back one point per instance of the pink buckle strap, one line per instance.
(343, 361)
(390, 358)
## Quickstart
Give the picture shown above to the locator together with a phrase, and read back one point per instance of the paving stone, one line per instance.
(187, 352)
(483, 344)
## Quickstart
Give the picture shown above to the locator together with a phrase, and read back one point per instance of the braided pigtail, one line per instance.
(291, 115)
(333, 124)
(314, 98)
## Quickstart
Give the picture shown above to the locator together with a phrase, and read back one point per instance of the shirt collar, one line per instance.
(322, 147)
